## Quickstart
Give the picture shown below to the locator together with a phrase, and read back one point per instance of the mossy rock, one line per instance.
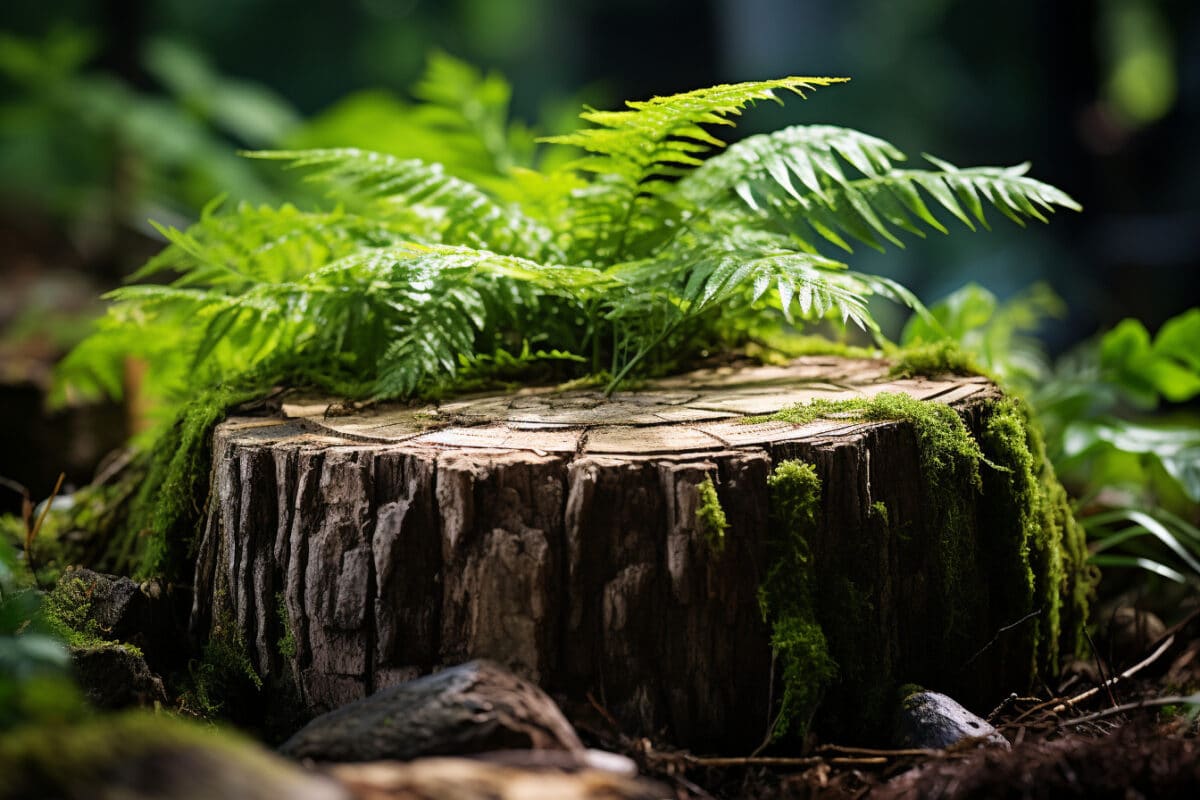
(144, 756)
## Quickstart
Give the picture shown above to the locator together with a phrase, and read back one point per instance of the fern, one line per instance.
(636, 152)
(449, 208)
(648, 244)
(796, 180)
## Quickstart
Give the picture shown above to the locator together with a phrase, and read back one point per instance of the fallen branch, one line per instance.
(1058, 706)
(1170, 700)
(1126, 675)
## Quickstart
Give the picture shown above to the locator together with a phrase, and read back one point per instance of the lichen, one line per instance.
(287, 642)
(786, 596)
(710, 517)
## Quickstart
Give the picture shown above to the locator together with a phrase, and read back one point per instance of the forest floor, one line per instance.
(1125, 734)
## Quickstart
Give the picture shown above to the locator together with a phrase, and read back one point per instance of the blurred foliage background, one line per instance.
(113, 111)
(116, 112)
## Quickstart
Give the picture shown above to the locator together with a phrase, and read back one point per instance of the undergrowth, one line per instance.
(223, 674)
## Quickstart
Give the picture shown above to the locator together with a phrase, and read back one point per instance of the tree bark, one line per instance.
(556, 533)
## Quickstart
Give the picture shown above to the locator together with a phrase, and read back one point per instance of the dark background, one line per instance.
(1103, 96)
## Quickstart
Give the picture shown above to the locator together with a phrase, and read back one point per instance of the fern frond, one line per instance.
(641, 253)
(768, 162)
(797, 178)
(455, 211)
(412, 263)
(427, 354)
(258, 243)
(808, 280)
(650, 137)
(471, 110)
(875, 209)
(638, 153)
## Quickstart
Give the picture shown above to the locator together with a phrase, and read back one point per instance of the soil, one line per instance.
(1122, 741)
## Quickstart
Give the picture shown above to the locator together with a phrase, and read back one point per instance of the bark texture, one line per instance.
(556, 533)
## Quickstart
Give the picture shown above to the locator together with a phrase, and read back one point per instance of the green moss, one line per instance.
(1043, 552)
(287, 643)
(787, 600)
(168, 508)
(68, 614)
(946, 446)
(931, 360)
(224, 672)
(710, 517)
(1012, 549)
(74, 760)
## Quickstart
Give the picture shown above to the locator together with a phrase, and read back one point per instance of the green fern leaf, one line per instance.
(640, 151)
(455, 211)
(798, 177)
(646, 249)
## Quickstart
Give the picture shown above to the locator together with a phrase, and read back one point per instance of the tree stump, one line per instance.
(556, 533)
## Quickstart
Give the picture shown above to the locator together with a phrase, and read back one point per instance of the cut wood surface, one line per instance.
(555, 532)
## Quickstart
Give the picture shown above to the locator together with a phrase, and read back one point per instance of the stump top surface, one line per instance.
(694, 412)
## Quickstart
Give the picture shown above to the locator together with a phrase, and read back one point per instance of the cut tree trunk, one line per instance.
(556, 533)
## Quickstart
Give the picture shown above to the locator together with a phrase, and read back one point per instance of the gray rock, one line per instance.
(116, 676)
(471, 708)
(935, 721)
(124, 610)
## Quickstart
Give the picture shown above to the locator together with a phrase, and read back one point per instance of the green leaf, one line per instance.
(1139, 562)
(1177, 449)
(1145, 370)
(1145, 525)
(456, 211)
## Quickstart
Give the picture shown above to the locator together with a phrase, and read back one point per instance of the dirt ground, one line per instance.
(1104, 732)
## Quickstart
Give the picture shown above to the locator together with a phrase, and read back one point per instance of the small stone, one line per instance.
(934, 721)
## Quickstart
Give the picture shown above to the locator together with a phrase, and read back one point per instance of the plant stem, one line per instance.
(641, 353)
